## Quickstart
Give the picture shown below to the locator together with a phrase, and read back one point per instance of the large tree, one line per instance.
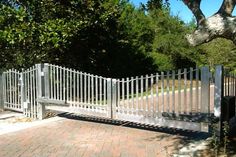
(220, 24)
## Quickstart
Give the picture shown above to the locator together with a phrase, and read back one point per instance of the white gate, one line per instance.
(12, 90)
(183, 99)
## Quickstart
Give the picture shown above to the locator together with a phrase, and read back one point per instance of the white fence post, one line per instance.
(218, 90)
(218, 96)
(205, 90)
(46, 80)
(1, 92)
(22, 94)
(41, 90)
(114, 98)
(111, 97)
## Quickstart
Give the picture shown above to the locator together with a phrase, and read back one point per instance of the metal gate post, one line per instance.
(1, 92)
(111, 97)
(114, 98)
(205, 96)
(42, 88)
(218, 95)
(205, 90)
(24, 104)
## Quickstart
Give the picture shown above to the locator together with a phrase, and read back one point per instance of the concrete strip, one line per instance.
(7, 126)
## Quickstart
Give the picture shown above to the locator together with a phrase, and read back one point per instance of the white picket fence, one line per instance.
(181, 99)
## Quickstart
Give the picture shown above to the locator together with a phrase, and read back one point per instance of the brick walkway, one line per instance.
(77, 138)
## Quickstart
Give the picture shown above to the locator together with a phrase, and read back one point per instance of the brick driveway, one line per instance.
(78, 138)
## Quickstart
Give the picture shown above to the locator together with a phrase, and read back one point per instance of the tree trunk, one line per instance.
(213, 27)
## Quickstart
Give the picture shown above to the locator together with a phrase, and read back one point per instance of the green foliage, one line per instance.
(218, 51)
(105, 37)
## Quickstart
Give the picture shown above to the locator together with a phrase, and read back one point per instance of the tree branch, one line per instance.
(194, 6)
(227, 7)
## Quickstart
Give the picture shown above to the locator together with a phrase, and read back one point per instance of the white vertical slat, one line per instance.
(168, 90)
(77, 89)
(28, 89)
(197, 90)
(4, 88)
(132, 95)
(70, 88)
(157, 94)
(81, 87)
(100, 90)
(31, 93)
(89, 79)
(74, 87)
(173, 91)
(96, 91)
(34, 94)
(162, 92)
(146, 90)
(118, 95)
(14, 91)
(142, 101)
(57, 83)
(179, 91)
(123, 95)
(85, 88)
(127, 94)
(191, 90)
(152, 97)
(104, 91)
(137, 95)
(50, 82)
(19, 91)
(54, 83)
(61, 84)
(185, 91)
(10, 87)
(67, 84)
(92, 88)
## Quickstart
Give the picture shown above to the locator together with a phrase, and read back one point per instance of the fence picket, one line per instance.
(191, 90)
(173, 91)
(157, 94)
(152, 97)
(137, 96)
(127, 95)
(162, 92)
(100, 90)
(168, 90)
(185, 91)
(123, 95)
(179, 91)
(146, 90)
(132, 95)
(142, 101)
(197, 90)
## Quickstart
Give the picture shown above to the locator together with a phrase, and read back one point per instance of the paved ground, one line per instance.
(71, 136)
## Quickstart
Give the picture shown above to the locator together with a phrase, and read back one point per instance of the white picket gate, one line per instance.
(183, 99)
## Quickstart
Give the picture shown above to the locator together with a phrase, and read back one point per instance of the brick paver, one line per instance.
(75, 138)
